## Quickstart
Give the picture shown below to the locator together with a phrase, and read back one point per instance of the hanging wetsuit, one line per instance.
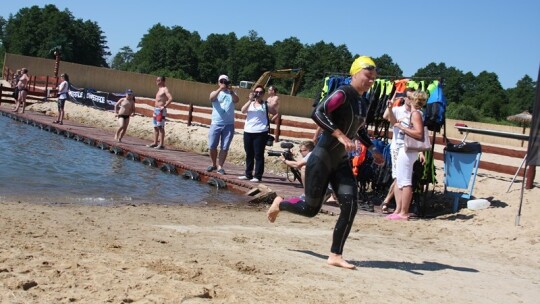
(346, 110)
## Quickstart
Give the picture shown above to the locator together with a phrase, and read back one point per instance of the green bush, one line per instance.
(462, 112)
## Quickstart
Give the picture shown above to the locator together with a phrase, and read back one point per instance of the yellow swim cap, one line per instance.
(362, 62)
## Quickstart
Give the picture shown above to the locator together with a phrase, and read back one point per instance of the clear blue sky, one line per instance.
(471, 35)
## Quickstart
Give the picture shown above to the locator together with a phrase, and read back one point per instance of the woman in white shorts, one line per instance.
(404, 162)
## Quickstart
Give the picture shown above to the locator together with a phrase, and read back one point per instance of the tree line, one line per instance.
(178, 53)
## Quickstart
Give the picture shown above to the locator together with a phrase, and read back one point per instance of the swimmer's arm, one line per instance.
(363, 136)
(322, 113)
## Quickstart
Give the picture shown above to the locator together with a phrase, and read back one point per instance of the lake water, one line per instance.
(43, 167)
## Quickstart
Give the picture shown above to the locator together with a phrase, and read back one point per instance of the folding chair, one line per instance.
(460, 168)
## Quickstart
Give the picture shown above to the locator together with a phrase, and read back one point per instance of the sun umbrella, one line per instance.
(523, 118)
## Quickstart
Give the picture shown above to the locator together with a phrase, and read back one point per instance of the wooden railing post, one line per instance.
(529, 179)
(277, 131)
(47, 88)
(1, 87)
(190, 114)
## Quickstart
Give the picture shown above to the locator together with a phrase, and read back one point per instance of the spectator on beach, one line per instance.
(22, 88)
(162, 101)
(124, 108)
(256, 130)
(273, 102)
(409, 125)
(15, 78)
(63, 91)
(305, 149)
(222, 126)
(14, 81)
(342, 116)
(394, 114)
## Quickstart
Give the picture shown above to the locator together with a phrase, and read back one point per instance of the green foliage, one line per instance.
(251, 58)
(176, 52)
(215, 57)
(461, 111)
(2, 31)
(387, 67)
(521, 98)
(38, 31)
(122, 60)
(164, 48)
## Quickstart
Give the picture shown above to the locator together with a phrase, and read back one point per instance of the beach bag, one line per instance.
(412, 144)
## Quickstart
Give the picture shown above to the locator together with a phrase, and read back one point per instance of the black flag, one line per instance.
(533, 157)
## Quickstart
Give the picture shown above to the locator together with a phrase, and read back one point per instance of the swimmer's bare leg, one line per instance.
(273, 211)
(337, 260)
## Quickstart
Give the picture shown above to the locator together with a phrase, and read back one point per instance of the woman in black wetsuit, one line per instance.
(341, 115)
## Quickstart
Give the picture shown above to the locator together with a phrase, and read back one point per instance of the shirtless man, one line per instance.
(163, 100)
(273, 102)
(124, 108)
(23, 90)
(14, 82)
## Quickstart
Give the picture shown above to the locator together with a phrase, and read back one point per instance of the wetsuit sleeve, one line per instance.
(363, 136)
(322, 115)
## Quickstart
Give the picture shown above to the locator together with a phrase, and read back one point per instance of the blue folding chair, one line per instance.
(460, 167)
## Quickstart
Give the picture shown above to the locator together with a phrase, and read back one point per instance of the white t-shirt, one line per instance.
(256, 119)
(63, 89)
(402, 114)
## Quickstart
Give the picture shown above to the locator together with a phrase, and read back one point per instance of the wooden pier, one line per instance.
(185, 163)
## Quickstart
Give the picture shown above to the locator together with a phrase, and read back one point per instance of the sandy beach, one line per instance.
(154, 253)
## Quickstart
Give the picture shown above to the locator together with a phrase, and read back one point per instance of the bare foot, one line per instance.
(273, 211)
(337, 260)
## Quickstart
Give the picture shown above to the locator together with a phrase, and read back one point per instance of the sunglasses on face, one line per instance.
(258, 92)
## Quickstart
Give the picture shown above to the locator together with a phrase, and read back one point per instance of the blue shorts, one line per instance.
(158, 119)
(223, 132)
